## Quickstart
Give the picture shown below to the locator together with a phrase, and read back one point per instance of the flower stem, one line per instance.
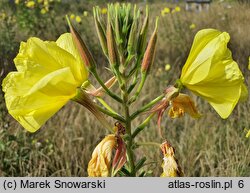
(114, 96)
(111, 114)
(145, 107)
(149, 143)
(142, 125)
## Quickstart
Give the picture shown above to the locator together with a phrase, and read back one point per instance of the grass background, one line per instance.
(208, 146)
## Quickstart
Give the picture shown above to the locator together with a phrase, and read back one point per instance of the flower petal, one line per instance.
(99, 165)
(211, 73)
(34, 105)
(183, 104)
(47, 78)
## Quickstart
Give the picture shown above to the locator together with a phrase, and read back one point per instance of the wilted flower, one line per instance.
(170, 164)
(78, 19)
(100, 163)
(211, 73)
(178, 105)
(182, 104)
(47, 77)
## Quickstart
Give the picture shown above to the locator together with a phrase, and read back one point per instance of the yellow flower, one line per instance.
(85, 13)
(46, 3)
(170, 164)
(43, 11)
(39, 1)
(177, 9)
(192, 26)
(30, 4)
(104, 11)
(78, 19)
(167, 67)
(17, 2)
(47, 76)
(165, 11)
(248, 134)
(72, 16)
(2, 16)
(100, 163)
(210, 71)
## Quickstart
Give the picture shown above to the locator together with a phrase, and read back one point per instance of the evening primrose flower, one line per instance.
(78, 19)
(210, 72)
(100, 163)
(170, 165)
(104, 10)
(43, 11)
(30, 4)
(47, 77)
(176, 9)
(192, 26)
(167, 67)
(72, 16)
(85, 13)
(165, 11)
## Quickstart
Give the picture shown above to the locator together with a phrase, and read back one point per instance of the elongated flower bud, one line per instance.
(100, 32)
(149, 55)
(82, 48)
(112, 50)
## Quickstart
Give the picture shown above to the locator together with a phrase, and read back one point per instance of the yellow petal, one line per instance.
(244, 93)
(183, 104)
(46, 79)
(211, 73)
(99, 165)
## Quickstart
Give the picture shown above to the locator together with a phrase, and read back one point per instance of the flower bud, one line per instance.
(82, 48)
(149, 54)
(111, 44)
